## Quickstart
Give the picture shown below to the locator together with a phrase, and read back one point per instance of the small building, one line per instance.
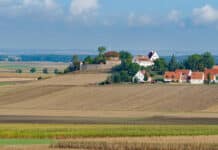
(112, 58)
(186, 74)
(212, 74)
(173, 77)
(146, 61)
(143, 61)
(153, 55)
(215, 67)
(197, 78)
(140, 76)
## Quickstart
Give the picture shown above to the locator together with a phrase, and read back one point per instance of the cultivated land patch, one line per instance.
(76, 98)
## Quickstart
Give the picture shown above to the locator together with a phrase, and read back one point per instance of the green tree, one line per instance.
(115, 78)
(101, 50)
(56, 71)
(160, 66)
(100, 59)
(88, 60)
(45, 70)
(75, 63)
(195, 63)
(19, 71)
(208, 78)
(125, 56)
(208, 60)
(32, 70)
(173, 64)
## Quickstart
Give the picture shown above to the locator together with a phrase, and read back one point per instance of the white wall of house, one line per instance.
(154, 57)
(144, 63)
(139, 76)
(197, 81)
(216, 78)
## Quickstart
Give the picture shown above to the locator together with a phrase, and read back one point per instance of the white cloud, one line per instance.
(175, 17)
(206, 14)
(30, 7)
(83, 7)
(142, 20)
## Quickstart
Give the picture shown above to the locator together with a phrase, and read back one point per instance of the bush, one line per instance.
(56, 71)
(39, 78)
(19, 71)
(45, 70)
(116, 78)
(32, 70)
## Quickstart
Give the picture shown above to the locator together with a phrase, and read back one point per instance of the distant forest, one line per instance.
(65, 58)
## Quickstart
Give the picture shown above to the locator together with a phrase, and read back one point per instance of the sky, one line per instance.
(168, 26)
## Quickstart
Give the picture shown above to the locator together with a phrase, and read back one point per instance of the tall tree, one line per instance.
(126, 56)
(195, 63)
(160, 65)
(101, 50)
(173, 64)
(208, 60)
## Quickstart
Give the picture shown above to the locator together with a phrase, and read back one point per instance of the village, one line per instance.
(142, 74)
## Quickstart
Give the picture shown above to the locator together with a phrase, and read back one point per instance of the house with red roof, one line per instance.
(186, 74)
(112, 58)
(197, 78)
(173, 76)
(146, 61)
(211, 74)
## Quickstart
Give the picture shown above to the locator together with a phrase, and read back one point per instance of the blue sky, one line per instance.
(168, 26)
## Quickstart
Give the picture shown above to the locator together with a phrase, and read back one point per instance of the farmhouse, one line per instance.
(112, 58)
(197, 78)
(140, 76)
(186, 74)
(211, 74)
(146, 61)
(173, 77)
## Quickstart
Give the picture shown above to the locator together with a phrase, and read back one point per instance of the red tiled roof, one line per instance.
(142, 58)
(215, 67)
(211, 72)
(183, 71)
(197, 75)
(172, 75)
(112, 54)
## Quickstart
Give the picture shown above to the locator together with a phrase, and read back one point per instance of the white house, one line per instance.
(153, 56)
(197, 78)
(146, 61)
(140, 75)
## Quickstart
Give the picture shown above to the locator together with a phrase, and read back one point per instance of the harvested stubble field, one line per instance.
(177, 111)
(26, 66)
(76, 98)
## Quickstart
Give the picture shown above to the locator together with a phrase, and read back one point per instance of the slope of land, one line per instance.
(78, 95)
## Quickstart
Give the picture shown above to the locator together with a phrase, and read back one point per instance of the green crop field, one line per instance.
(36, 131)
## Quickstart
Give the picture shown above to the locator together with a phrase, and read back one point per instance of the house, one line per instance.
(140, 76)
(197, 78)
(173, 77)
(215, 67)
(153, 55)
(146, 61)
(186, 74)
(212, 74)
(112, 58)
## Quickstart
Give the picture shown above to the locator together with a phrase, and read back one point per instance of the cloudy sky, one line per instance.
(164, 25)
